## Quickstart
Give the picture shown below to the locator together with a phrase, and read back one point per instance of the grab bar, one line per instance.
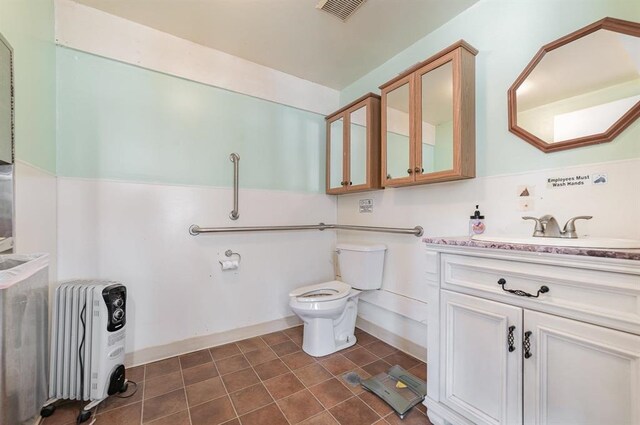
(235, 158)
(416, 231)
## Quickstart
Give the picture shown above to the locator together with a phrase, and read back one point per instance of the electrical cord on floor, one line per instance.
(135, 389)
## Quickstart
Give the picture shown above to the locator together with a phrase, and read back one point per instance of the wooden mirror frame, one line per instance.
(611, 24)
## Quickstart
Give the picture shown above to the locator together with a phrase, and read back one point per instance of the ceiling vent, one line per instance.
(341, 9)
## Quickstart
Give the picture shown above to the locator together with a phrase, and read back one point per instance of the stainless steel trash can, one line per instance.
(24, 329)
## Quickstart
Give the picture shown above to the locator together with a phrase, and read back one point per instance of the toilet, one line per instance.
(329, 309)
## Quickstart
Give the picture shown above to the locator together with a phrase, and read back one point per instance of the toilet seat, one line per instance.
(321, 292)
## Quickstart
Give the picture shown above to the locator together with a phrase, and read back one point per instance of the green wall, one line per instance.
(118, 121)
(508, 33)
(28, 25)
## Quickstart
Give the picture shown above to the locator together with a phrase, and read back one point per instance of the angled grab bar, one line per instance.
(416, 231)
(235, 158)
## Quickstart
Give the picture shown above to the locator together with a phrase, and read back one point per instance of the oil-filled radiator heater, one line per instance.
(87, 344)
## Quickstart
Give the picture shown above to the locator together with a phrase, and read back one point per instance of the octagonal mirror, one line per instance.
(581, 89)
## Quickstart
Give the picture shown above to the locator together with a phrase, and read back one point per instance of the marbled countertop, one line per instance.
(622, 254)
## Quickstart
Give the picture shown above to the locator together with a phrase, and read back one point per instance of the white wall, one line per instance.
(138, 234)
(444, 209)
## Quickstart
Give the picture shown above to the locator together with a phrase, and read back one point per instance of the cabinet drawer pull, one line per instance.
(526, 345)
(543, 290)
(510, 339)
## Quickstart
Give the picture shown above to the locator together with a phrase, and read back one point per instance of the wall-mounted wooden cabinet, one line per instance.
(353, 147)
(428, 120)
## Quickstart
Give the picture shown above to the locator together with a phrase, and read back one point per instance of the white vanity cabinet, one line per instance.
(569, 356)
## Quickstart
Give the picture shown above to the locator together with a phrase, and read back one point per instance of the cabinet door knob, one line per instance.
(350, 183)
(409, 171)
(419, 170)
(510, 339)
(526, 344)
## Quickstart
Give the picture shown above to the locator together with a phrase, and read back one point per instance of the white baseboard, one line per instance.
(152, 354)
(402, 344)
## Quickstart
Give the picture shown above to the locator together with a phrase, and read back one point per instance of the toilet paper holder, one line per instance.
(230, 253)
(230, 264)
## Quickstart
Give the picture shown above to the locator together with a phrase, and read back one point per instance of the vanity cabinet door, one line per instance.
(481, 359)
(580, 373)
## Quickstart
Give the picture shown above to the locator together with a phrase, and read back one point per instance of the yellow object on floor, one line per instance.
(399, 384)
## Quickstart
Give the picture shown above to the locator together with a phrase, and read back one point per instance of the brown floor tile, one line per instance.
(285, 348)
(250, 398)
(194, 359)
(404, 360)
(275, 338)
(65, 413)
(297, 339)
(199, 373)
(295, 331)
(232, 422)
(162, 367)
(271, 369)
(381, 349)
(260, 355)
(376, 367)
(164, 405)
(180, 418)
(283, 386)
(232, 364)
(357, 388)
(323, 418)
(312, 374)
(414, 417)
(205, 391)
(337, 364)
(361, 356)
(163, 384)
(268, 415)
(419, 371)
(135, 374)
(375, 403)
(213, 412)
(251, 344)
(364, 338)
(330, 392)
(125, 399)
(241, 379)
(300, 406)
(127, 415)
(224, 351)
(354, 412)
(297, 360)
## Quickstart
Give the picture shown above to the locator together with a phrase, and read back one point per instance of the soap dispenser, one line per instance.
(476, 223)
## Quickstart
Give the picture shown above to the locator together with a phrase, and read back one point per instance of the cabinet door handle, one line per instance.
(418, 170)
(409, 171)
(526, 345)
(510, 339)
(543, 290)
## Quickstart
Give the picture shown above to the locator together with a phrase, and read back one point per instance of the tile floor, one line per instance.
(265, 380)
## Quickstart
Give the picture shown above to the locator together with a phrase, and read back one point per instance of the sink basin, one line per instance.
(585, 242)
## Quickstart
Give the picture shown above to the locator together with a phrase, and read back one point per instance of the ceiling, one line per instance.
(292, 35)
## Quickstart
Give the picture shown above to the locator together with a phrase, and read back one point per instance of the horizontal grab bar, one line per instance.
(416, 231)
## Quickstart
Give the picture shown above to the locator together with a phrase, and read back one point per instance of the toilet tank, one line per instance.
(361, 265)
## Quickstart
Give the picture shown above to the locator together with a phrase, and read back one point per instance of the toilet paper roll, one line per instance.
(229, 264)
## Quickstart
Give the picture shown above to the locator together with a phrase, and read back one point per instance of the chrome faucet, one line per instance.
(547, 227)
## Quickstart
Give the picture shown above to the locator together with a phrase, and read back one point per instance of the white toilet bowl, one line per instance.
(329, 309)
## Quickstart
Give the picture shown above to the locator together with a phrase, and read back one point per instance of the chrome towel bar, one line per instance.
(416, 231)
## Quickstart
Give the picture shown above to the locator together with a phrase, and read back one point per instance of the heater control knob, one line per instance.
(118, 315)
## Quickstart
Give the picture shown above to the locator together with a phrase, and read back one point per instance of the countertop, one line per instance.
(628, 254)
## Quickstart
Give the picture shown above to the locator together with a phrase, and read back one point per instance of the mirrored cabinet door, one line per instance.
(397, 132)
(434, 130)
(335, 155)
(353, 146)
